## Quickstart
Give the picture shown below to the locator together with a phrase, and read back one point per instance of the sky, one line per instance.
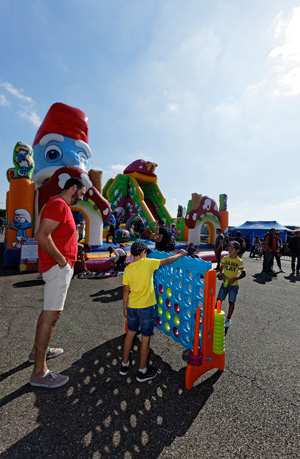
(207, 89)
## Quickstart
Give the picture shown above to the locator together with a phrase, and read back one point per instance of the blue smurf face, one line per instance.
(58, 152)
(21, 223)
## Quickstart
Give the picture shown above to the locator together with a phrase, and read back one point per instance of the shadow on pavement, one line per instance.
(13, 371)
(30, 283)
(108, 296)
(263, 278)
(102, 414)
(293, 278)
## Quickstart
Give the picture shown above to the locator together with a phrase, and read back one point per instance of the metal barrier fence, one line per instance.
(286, 255)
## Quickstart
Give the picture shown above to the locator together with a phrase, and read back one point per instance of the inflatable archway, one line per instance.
(205, 211)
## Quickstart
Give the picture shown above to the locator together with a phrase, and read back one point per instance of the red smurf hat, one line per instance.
(64, 120)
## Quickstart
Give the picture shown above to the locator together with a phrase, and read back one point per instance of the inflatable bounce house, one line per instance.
(133, 200)
(203, 210)
(60, 151)
(137, 201)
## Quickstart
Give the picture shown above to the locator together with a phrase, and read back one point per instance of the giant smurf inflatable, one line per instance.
(60, 151)
(61, 140)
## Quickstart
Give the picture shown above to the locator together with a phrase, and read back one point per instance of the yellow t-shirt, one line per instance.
(232, 266)
(139, 276)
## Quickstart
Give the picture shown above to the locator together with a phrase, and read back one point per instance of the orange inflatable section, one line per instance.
(224, 220)
(20, 203)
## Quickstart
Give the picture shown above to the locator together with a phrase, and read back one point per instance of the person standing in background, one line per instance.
(294, 246)
(218, 247)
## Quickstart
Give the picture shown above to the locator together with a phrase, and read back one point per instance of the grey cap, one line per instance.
(235, 244)
(137, 248)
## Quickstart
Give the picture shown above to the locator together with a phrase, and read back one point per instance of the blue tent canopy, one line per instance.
(260, 228)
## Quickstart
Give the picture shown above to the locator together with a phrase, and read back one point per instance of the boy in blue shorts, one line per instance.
(138, 305)
(231, 265)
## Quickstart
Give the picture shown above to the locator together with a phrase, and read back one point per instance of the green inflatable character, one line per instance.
(23, 160)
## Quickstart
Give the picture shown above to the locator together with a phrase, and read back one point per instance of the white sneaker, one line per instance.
(227, 323)
(272, 270)
(281, 271)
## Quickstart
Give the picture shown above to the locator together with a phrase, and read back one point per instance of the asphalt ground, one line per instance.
(250, 410)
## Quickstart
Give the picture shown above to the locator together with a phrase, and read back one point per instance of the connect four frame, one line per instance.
(185, 311)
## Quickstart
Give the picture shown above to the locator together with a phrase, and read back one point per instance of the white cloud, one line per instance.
(256, 88)
(228, 112)
(16, 92)
(287, 54)
(3, 101)
(288, 204)
(173, 107)
(118, 168)
(31, 116)
(25, 109)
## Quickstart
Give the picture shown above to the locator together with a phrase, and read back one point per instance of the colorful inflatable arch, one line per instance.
(203, 210)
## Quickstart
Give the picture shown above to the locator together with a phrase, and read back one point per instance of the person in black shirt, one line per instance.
(239, 238)
(294, 246)
(164, 240)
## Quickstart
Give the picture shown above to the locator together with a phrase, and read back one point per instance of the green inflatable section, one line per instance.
(146, 198)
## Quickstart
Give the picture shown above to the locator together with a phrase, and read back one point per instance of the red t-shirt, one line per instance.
(64, 237)
(267, 245)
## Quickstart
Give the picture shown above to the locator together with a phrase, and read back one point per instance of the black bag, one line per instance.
(171, 246)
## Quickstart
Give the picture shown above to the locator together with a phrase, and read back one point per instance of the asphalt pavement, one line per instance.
(250, 410)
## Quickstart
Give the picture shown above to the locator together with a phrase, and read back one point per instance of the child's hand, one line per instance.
(125, 311)
(233, 279)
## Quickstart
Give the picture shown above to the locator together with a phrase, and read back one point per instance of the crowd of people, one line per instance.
(269, 249)
(232, 268)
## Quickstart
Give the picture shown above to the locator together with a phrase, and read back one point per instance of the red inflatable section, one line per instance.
(64, 120)
(210, 256)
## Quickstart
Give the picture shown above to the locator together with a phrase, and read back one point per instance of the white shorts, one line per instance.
(57, 281)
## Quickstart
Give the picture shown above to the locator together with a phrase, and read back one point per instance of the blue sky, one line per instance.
(209, 90)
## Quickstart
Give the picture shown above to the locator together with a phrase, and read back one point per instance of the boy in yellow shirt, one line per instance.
(138, 305)
(231, 265)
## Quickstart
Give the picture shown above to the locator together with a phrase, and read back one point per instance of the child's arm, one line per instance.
(125, 299)
(233, 279)
(169, 260)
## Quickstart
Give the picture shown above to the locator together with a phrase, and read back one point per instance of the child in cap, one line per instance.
(231, 266)
(138, 305)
